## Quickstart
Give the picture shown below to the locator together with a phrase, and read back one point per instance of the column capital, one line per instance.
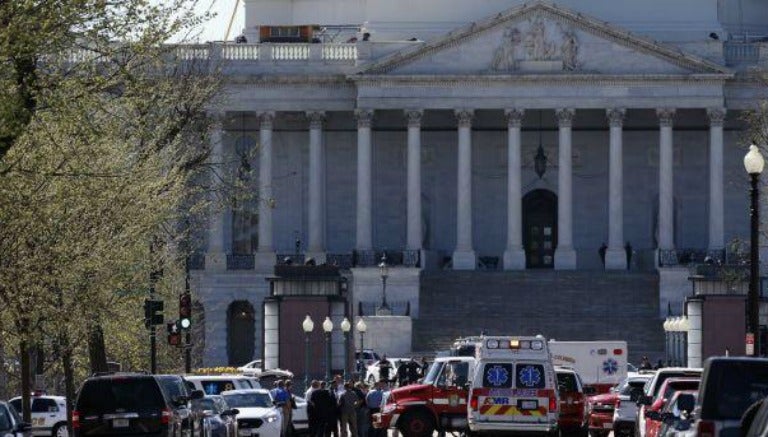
(615, 116)
(666, 116)
(364, 117)
(316, 119)
(565, 117)
(414, 117)
(464, 117)
(716, 116)
(266, 119)
(514, 117)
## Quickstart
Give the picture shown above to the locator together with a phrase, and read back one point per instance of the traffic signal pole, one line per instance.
(152, 333)
(188, 336)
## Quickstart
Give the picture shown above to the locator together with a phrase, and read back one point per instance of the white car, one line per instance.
(300, 419)
(215, 384)
(258, 415)
(372, 375)
(49, 415)
(252, 366)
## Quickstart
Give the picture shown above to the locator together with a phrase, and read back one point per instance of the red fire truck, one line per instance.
(438, 403)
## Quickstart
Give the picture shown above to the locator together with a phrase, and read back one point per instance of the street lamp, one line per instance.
(684, 325)
(345, 328)
(667, 329)
(327, 327)
(384, 309)
(308, 326)
(753, 163)
(361, 328)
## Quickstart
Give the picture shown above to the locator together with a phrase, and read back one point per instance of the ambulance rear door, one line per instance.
(514, 391)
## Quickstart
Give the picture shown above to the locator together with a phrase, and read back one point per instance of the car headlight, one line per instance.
(271, 418)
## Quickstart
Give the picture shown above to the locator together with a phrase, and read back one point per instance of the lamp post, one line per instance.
(753, 163)
(684, 325)
(327, 327)
(308, 326)
(666, 324)
(361, 328)
(384, 309)
(345, 328)
(675, 341)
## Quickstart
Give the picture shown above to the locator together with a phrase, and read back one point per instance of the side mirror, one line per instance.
(653, 415)
(590, 391)
(196, 394)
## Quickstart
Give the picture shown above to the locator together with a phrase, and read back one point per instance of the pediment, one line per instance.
(541, 38)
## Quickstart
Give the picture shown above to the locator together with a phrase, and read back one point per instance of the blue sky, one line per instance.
(216, 29)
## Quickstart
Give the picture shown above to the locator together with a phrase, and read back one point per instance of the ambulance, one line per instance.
(600, 364)
(514, 387)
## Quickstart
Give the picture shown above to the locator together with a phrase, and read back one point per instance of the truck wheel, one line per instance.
(60, 430)
(417, 424)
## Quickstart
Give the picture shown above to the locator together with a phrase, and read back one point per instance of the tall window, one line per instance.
(241, 332)
(245, 219)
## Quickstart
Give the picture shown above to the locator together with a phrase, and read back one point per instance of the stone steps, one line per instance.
(561, 305)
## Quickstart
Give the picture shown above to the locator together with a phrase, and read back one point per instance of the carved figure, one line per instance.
(536, 44)
(504, 57)
(570, 51)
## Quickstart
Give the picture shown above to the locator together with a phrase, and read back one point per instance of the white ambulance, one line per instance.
(600, 364)
(514, 387)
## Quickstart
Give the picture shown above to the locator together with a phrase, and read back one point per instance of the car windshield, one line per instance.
(566, 382)
(5, 419)
(248, 400)
(434, 370)
(674, 386)
(629, 385)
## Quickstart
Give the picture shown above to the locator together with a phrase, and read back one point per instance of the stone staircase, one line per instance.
(565, 305)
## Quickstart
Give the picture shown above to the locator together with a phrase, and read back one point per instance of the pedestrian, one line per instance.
(373, 401)
(348, 403)
(424, 367)
(601, 252)
(402, 375)
(645, 364)
(363, 421)
(659, 364)
(314, 385)
(312, 418)
(629, 252)
(324, 407)
(288, 408)
(282, 401)
(336, 389)
(384, 368)
(413, 370)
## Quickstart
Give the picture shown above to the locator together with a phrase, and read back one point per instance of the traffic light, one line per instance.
(185, 311)
(153, 312)
(174, 336)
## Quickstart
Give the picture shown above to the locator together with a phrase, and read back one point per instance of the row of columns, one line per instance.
(464, 255)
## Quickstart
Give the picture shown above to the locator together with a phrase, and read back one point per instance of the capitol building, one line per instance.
(554, 167)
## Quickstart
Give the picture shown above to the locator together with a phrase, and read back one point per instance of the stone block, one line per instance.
(390, 335)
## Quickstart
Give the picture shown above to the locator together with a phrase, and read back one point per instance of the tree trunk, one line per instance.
(26, 390)
(97, 350)
(69, 378)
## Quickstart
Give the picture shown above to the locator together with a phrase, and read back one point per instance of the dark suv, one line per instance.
(135, 404)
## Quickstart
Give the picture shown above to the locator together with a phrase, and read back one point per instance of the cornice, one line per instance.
(561, 79)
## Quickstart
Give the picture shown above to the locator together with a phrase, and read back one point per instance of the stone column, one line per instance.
(265, 256)
(316, 219)
(666, 180)
(565, 255)
(414, 235)
(216, 258)
(364, 238)
(615, 255)
(716, 209)
(464, 256)
(514, 255)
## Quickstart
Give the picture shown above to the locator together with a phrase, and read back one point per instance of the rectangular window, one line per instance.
(529, 376)
(497, 375)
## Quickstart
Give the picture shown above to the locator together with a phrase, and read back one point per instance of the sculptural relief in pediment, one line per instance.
(537, 46)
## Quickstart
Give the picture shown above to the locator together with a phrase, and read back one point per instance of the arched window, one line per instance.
(241, 332)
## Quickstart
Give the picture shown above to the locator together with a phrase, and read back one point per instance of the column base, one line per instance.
(264, 261)
(616, 259)
(318, 256)
(216, 262)
(464, 260)
(565, 258)
(514, 259)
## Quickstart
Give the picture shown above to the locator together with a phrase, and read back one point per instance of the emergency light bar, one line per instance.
(493, 343)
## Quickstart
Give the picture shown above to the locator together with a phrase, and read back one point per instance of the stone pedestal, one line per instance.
(464, 260)
(616, 259)
(565, 259)
(514, 259)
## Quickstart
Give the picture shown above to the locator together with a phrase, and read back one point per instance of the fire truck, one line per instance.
(438, 403)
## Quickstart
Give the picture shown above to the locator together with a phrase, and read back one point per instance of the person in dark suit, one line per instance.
(323, 405)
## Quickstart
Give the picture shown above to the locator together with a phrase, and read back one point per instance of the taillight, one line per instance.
(618, 403)
(552, 403)
(473, 401)
(75, 419)
(705, 428)
(165, 416)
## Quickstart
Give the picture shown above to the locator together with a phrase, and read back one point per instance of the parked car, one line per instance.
(268, 377)
(133, 403)
(600, 411)
(729, 386)
(573, 419)
(218, 419)
(756, 425)
(652, 388)
(368, 357)
(10, 422)
(49, 414)
(300, 418)
(215, 384)
(677, 415)
(257, 414)
(251, 366)
(625, 411)
(372, 374)
(668, 388)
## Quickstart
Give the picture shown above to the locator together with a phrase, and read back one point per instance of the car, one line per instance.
(573, 419)
(372, 373)
(267, 378)
(625, 411)
(755, 420)
(215, 384)
(218, 419)
(300, 419)
(729, 386)
(600, 411)
(676, 417)
(11, 424)
(49, 414)
(132, 403)
(257, 415)
(368, 357)
(651, 389)
(254, 365)
(667, 390)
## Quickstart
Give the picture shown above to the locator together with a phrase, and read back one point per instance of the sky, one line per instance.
(216, 29)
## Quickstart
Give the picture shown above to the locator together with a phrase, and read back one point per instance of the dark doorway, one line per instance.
(241, 332)
(540, 229)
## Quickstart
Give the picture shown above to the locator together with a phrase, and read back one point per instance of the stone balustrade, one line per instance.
(268, 52)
